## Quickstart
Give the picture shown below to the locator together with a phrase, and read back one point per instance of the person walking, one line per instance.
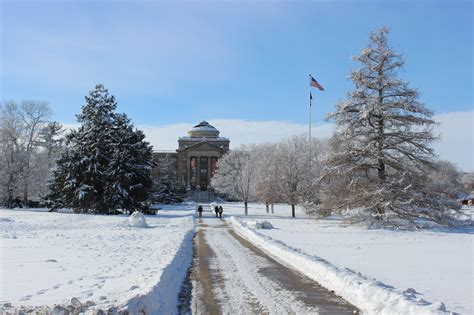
(220, 211)
(200, 211)
(216, 210)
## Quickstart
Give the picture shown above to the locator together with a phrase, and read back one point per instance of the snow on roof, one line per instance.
(199, 139)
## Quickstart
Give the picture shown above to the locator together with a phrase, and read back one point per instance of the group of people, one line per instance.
(217, 209)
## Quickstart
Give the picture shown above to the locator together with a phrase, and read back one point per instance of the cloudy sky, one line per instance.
(242, 65)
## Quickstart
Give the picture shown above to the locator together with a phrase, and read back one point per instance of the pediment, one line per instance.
(204, 146)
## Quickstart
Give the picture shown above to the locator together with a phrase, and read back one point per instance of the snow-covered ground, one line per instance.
(49, 258)
(437, 264)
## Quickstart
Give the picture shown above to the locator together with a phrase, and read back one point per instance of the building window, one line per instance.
(193, 171)
(203, 178)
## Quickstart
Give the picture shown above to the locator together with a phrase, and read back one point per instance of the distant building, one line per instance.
(195, 160)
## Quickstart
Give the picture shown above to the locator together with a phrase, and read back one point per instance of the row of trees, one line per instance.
(378, 167)
(272, 173)
(29, 144)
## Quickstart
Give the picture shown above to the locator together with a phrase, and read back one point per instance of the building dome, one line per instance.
(203, 130)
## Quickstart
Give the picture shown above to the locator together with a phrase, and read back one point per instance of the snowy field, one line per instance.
(437, 264)
(49, 258)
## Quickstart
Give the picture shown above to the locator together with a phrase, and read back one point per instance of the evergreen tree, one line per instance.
(166, 190)
(106, 164)
(383, 136)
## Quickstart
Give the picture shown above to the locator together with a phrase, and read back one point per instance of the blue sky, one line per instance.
(180, 62)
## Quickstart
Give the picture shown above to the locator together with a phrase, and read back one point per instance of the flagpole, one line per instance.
(309, 127)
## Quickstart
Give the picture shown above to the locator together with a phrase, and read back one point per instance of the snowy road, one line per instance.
(231, 276)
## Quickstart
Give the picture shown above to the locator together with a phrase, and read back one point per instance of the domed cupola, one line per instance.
(203, 130)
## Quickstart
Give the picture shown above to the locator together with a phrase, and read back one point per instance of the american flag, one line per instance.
(314, 83)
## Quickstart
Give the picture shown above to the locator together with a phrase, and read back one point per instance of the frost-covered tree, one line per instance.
(310, 192)
(383, 134)
(11, 152)
(267, 187)
(35, 116)
(293, 169)
(49, 146)
(165, 189)
(22, 163)
(235, 175)
(443, 176)
(106, 164)
(467, 180)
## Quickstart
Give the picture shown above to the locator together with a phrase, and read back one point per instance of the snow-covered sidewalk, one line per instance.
(437, 265)
(231, 276)
(49, 258)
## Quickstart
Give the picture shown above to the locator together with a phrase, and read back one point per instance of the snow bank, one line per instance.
(137, 219)
(258, 225)
(163, 297)
(372, 297)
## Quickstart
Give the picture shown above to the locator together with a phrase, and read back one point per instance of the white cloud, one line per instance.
(456, 143)
(238, 131)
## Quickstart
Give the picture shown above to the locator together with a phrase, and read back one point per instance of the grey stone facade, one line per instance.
(196, 157)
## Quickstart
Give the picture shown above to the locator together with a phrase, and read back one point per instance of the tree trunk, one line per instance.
(272, 209)
(246, 208)
(25, 194)
(380, 131)
(293, 211)
(266, 207)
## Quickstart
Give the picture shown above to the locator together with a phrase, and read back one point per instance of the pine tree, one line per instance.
(383, 136)
(106, 164)
(166, 190)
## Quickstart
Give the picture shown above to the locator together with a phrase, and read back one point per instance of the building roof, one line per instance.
(203, 130)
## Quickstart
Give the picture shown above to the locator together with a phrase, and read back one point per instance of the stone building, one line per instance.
(195, 160)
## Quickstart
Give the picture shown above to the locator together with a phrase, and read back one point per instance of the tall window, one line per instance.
(203, 164)
(193, 171)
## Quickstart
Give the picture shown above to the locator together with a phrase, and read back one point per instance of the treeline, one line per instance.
(273, 172)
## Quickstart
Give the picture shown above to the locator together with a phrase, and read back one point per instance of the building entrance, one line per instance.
(203, 175)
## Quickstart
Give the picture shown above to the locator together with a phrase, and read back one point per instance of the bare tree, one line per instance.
(235, 175)
(467, 180)
(34, 114)
(11, 153)
(24, 163)
(266, 179)
(293, 169)
(50, 143)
